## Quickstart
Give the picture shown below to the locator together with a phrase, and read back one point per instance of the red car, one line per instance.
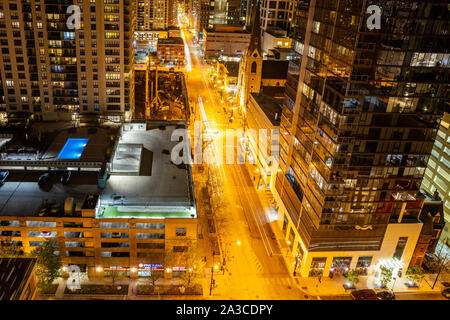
(365, 294)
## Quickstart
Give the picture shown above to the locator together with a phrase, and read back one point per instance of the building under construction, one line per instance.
(161, 95)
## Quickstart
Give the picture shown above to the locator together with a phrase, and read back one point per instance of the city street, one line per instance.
(254, 267)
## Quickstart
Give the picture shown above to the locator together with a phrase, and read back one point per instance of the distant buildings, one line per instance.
(18, 279)
(277, 13)
(51, 72)
(226, 40)
(155, 14)
(171, 51)
(275, 38)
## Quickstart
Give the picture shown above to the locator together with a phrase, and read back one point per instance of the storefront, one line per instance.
(317, 267)
(340, 266)
(363, 264)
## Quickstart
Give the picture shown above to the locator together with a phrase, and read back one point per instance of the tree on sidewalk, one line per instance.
(414, 274)
(9, 250)
(385, 276)
(48, 265)
(352, 276)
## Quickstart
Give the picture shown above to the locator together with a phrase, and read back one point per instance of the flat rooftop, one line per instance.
(97, 141)
(160, 189)
(271, 106)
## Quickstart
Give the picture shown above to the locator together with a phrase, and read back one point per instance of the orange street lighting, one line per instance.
(238, 243)
(216, 266)
(168, 270)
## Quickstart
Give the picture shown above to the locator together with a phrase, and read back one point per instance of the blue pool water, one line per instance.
(73, 148)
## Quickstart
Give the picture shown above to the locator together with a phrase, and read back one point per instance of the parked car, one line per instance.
(446, 293)
(386, 295)
(45, 233)
(3, 176)
(365, 294)
(43, 179)
(43, 212)
(6, 233)
(4, 223)
(65, 177)
(116, 234)
(55, 208)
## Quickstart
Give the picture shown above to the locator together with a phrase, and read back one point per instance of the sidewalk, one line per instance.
(335, 286)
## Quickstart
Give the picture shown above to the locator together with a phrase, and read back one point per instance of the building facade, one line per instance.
(155, 14)
(95, 244)
(52, 72)
(276, 13)
(437, 174)
(171, 51)
(226, 40)
(360, 117)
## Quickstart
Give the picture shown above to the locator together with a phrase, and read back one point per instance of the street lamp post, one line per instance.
(212, 281)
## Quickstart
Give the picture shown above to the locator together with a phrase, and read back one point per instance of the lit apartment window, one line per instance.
(15, 24)
(39, 25)
(112, 35)
(113, 76)
(9, 83)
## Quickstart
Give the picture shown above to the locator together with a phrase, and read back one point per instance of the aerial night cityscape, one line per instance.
(209, 150)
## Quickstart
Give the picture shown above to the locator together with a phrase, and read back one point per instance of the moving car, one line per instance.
(446, 293)
(43, 179)
(365, 294)
(386, 295)
(65, 177)
(3, 176)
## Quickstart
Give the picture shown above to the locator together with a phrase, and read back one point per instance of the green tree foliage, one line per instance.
(414, 274)
(385, 276)
(9, 250)
(352, 276)
(48, 265)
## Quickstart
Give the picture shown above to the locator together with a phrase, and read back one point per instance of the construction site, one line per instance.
(161, 95)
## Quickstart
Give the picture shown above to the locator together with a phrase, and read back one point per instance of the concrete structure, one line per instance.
(263, 115)
(227, 74)
(437, 174)
(353, 146)
(254, 72)
(171, 51)
(275, 38)
(18, 279)
(155, 14)
(117, 227)
(277, 13)
(50, 72)
(227, 40)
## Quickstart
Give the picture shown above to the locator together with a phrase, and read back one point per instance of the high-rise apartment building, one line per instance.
(277, 13)
(155, 14)
(361, 114)
(54, 72)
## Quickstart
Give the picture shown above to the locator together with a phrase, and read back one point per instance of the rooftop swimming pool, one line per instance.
(73, 148)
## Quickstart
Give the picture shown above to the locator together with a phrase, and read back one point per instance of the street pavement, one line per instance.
(254, 268)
